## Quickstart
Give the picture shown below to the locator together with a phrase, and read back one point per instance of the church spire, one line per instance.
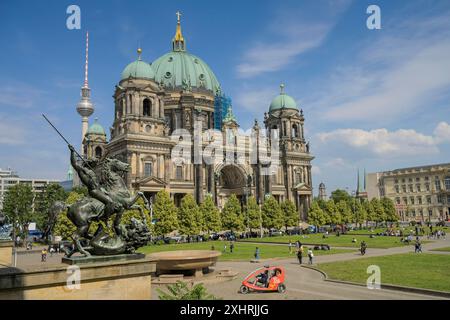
(178, 43)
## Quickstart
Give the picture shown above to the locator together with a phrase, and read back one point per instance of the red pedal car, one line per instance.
(267, 279)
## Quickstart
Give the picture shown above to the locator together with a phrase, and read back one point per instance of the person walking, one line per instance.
(300, 255)
(44, 255)
(290, 246)
(224, 247)
(310, 256)
(231, 247)
(257, 253)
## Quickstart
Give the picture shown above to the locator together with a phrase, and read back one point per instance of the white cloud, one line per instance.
(403, 71)
(385, 143)
(295, 33)
(255, 100)
(336, 162)
(442, 132)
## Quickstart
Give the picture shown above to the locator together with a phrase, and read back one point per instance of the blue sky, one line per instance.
(374, 99)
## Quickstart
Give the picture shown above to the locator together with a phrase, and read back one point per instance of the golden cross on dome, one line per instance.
(178, 16)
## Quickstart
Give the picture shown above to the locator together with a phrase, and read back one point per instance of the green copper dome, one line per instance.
(283, 101)
(96, 128)
(138, 69)
(182, 69)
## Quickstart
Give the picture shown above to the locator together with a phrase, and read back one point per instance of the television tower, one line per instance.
(85, 108)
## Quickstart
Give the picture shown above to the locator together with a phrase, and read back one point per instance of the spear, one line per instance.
(65, 140)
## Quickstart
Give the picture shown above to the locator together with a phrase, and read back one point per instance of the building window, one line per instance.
(419, 200)
(417, 179)
(410, 180)
(295, 131)
(448, 199)
(404, 188)
(397, 200)
(98, 152)
(437, 183)
(147, 108)
(440, 199)
(447, 183)
(411, 189)
(395, 180)
(148, 167)
(405, 200)
(427, 186)
(397, 189)
(411, 199)
(179, 173)
(428, 199)
(418, 187)
(427, 178)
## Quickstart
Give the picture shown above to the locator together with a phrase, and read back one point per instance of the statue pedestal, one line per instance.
(76, 260)
(121, 280)
(6, 249)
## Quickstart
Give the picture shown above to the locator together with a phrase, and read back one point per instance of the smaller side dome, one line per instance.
(138, 69)
(96, 128)
(282, 101)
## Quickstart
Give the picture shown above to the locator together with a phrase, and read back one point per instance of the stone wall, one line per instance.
(123, 280)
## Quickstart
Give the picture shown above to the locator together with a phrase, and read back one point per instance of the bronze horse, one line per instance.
(109, 197)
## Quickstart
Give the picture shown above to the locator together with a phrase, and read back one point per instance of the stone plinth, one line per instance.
(122, 280)
(6, 248)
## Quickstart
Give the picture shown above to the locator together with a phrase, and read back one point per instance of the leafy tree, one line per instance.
(316, 216)
(64, 227)
(44, 200)
(181, 291)
(331, 212)
(211, 215)
(272, 216)
(378, 211)
(344, 211)
(165, 213)
(231, 215)
(290, 214)
(360, 212)
(129, 214)
(253, 214)
(339, 195)
(370, 211)
(18, 207)
(389, 210)
(188, 214)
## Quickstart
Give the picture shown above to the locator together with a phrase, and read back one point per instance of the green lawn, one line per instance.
(446, 249)
(406, 230)
(242, 251)
(334, 241)
(428, 271)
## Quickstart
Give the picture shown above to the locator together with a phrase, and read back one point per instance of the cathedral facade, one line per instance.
(154, 102)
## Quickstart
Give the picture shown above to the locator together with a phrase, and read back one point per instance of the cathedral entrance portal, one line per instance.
(232, 180)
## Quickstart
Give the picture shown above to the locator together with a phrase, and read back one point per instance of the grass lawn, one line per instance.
(428, 271)
(242, 251)
(406, 230)
(446, 249)
(334, 241)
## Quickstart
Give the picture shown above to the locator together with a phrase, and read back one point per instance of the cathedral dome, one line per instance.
(282, 101)
(96, 128)
(138, 69)
(179, 68)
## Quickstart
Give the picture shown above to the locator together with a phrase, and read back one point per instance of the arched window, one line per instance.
(98, 152)
(130, 97)
(148, 167)
(179, 173)
(295, 131)
(147, 108)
